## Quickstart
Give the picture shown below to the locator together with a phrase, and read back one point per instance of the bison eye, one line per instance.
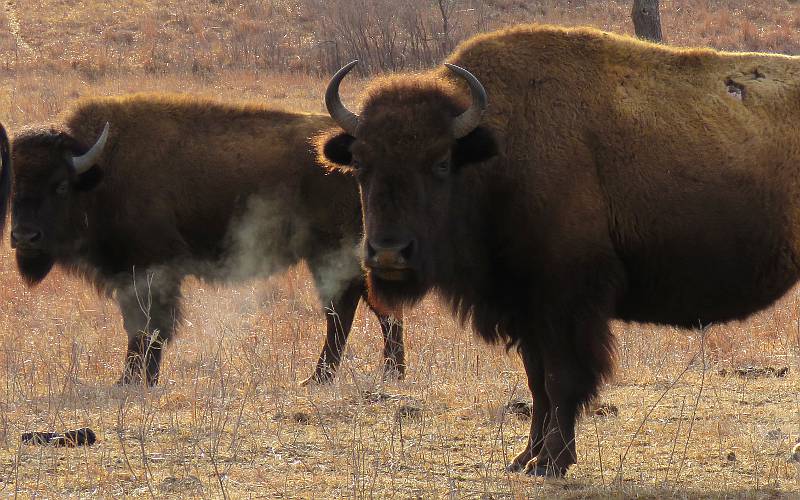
(442, 168)
(62, 187)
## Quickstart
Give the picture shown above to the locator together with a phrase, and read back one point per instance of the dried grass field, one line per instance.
(230, 418)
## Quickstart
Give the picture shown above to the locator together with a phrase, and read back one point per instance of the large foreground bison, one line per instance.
(592, 177)
(176, 186)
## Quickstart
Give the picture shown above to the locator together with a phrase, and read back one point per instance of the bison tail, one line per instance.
(5, 176)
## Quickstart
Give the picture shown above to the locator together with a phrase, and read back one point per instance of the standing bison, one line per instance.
(592, 177)
(178, 186)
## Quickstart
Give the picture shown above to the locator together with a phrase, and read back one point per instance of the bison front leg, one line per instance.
(394, 353)
(339, 319)
(541, 408)
(576, 361)
(150, 309)
(394, 350)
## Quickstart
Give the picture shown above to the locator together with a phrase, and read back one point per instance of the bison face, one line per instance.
(409, 152)
(48, 181)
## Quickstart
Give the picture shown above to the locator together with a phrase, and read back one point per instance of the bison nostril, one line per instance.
(407, 251)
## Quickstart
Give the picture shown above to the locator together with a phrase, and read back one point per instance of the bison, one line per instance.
(592, 177)
(177, 186)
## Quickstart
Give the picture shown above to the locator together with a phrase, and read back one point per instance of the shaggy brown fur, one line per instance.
(188, 186)
(611, 178)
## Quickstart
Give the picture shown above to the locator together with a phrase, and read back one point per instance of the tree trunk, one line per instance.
(646, 20)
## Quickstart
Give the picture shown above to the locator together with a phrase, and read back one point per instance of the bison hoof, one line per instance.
(533, 469)
(520, 461)
(126, 380)
(515, 467)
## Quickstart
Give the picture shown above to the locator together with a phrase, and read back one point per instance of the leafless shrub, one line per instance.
(388, 35)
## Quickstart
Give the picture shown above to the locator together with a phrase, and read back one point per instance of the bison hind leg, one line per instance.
(339, 314)
(150, 307)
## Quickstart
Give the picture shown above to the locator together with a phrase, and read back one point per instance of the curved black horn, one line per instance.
(85, 161)
(340, 114)
(466, 122)
(5, 176)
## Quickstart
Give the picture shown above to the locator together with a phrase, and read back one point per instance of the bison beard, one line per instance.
(392, 295)
(34, 266)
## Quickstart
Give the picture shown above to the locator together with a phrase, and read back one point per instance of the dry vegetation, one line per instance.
(230, 419)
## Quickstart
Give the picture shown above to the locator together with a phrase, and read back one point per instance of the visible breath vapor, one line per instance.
(265, 239)
(272, 235)
(336, 268)
(269, 235)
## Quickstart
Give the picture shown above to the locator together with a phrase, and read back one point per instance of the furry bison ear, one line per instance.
(475, 147)
(89, 179)
(336, 150)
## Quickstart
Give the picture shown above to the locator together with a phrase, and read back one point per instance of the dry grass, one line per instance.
(230, 419)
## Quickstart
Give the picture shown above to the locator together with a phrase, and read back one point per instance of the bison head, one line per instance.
(409, 150)
(51, 169)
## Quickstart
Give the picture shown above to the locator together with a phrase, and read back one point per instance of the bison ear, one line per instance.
(337, 150)
(89, 179)
(475, 147)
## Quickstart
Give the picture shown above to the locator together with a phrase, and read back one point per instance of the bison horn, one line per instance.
(467, 121)
(85, 161)
(341, 115)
